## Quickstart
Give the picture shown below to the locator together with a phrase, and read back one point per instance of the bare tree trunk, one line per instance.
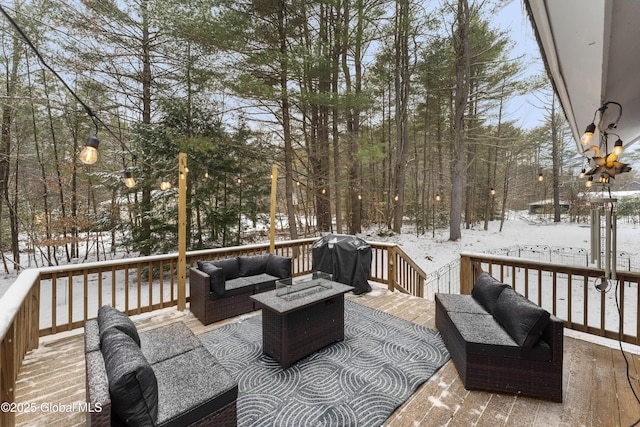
(353, 113)
(54, 142)
(555, 156)
(146, 81)
(43, 175)
(493, 163)
(401, 79)
(8, 114)
(461, 45)
(286, 122)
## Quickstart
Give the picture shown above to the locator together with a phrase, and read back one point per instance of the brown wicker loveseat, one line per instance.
(222, 288)
(161, 377)
(500, 341)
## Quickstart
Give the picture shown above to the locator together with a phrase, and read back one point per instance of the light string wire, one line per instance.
(94, 118)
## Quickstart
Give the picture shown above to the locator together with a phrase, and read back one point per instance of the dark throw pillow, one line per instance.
(110, 317)
(216, 276)
(133, 386)
(230, 267)
(486, 291)
(521, 318)
(252, 265)
(278, 266)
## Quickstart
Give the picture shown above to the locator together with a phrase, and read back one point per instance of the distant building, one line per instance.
(546, 206)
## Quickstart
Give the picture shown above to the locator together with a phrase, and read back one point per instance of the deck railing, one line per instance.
(49, 300)
(568, 292)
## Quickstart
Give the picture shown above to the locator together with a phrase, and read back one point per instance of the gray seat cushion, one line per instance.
(238, 286)
(483, 335)
(191, 386)
(460, 303)
(262, 281)
(167, 341)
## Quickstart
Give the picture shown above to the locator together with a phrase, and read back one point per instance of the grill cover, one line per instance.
(347, 258)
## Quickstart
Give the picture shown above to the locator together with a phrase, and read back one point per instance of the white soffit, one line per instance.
(572, 34)
(592, 50)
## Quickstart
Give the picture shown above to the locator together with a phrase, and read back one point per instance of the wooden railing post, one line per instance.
(8, 376)
(391, 261)
(182, 232)
(466, 275)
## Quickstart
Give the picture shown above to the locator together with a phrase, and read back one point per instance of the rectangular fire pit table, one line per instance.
(301, 317)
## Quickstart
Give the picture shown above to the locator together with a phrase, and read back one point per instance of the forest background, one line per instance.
(376, 112)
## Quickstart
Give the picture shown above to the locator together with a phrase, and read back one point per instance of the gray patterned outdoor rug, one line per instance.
(357, 382)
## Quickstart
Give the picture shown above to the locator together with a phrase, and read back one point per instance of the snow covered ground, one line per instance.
(433, 253)
(519, 229)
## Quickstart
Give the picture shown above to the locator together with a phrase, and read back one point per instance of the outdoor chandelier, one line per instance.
(604, 164)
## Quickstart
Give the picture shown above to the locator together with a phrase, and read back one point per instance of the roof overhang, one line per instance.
(592, 53)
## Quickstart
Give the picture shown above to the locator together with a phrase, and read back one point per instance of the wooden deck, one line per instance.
(51, 383)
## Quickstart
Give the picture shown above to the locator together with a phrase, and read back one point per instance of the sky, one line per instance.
(514, 20)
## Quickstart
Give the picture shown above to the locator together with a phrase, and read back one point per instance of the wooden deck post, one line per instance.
(466, 275)
(8, 375)
(391, 260)
(272, 226)
(182, 231)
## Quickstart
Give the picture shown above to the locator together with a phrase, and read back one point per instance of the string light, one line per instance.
(165, 184)
(128, 179)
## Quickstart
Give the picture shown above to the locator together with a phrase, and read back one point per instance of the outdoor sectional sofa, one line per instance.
(161, 377)
(502, 342)
(222, 288)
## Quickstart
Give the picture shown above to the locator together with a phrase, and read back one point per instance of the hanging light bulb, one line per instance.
(617, 148)
(89, 154)
(582, 172)
(540, 177)
(128, 179)
(589, 182)
(165, 184)
(492, 191)
(587, 137)
(437, 197)
(206, 174)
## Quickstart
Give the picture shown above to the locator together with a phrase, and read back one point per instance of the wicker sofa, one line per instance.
(500, 341)
(222, 288)
(162, 377)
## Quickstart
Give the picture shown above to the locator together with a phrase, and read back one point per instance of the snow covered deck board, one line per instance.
(595, 387)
